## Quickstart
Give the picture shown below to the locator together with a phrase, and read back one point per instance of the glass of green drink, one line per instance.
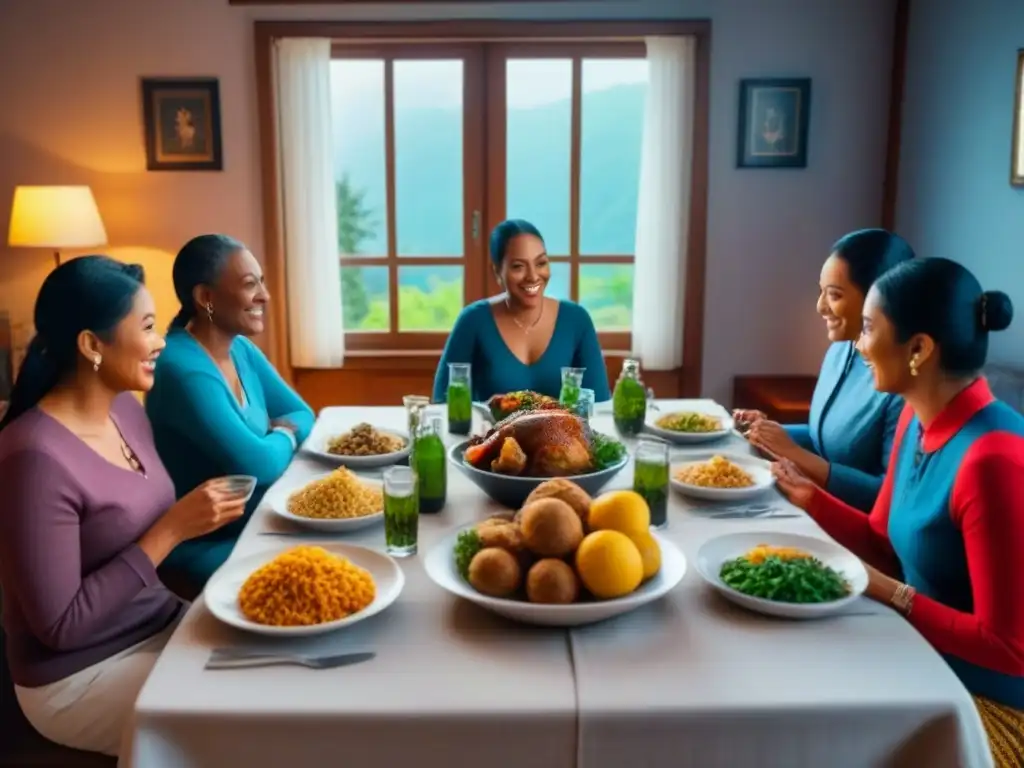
(401, 511)
(430, 461)
(460, 398)
(650, 478)
(572, 380)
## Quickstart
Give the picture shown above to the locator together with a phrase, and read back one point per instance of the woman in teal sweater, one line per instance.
(217, 405)
(522, 339)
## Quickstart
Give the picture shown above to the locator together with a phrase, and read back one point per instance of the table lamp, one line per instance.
(55, 218)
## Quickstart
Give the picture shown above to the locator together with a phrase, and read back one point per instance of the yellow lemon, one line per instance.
(623, 511)
(650, 552)
(609, 564)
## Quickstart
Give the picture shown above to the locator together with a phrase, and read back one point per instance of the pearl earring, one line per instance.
(913, 366)
(96, 362)
(209, 311)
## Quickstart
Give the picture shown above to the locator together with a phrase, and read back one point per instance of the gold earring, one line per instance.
(913, 366)
(209, 311)
(96, 362)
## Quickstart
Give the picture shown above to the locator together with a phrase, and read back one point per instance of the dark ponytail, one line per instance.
(91, 293)
(200, 262)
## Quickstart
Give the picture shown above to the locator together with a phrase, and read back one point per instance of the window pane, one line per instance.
(364, 298)
(558, 285)
(538, 146)
(611, 133)
(357, 108)
(429, 298)
(606, 290)
(428, 158)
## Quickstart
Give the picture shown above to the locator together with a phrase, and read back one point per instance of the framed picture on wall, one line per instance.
(182, 124)
(1017, 156)
(773, 119)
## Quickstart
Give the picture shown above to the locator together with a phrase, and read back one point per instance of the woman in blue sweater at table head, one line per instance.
(217, 405)
(521, 339)
(845, 446)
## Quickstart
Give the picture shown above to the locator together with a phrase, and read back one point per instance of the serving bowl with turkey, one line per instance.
(528, 447)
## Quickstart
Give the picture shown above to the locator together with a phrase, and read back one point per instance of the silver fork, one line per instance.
(235, 658)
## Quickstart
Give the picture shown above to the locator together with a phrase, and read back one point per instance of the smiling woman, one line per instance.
(218, 407)
(521, 339)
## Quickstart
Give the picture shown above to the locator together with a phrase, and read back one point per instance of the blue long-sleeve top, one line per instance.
(476, 340)
(851, 426)
(202, 431)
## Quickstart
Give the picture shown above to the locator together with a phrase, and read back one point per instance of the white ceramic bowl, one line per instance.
(316, 446)
(759, 469)
(440, 566)
(717, 551)
(221, 593)
(277, 501)
(689, 438)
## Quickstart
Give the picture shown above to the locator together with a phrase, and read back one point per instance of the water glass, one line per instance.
(584, 407)
(460, 398)
(572, 381)
(401, 511)
(651, 478)
(414, 405)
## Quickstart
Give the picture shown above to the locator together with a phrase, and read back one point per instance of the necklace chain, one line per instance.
(522, 327)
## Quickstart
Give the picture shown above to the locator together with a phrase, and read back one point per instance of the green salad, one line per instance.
(607, 451)
(785, 575)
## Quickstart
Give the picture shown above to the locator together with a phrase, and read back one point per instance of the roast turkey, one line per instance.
(545, 443)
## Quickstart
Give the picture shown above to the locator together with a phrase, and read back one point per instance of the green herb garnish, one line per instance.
(795, 580)
(467, 544)
(607, 451)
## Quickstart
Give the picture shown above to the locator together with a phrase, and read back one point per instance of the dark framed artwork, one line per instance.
(773, 121)
(182, 124)
(1017, 156)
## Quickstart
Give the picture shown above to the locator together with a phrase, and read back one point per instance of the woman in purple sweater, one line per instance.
(88, 510)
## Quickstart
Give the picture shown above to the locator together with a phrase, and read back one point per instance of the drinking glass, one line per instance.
(401, 511)
(650, 478)
(572, 380)
(584, 407)
(414, 405)
(460, 398)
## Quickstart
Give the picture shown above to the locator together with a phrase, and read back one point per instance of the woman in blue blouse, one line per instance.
(522, 339)
(217, 405)
(845, 446)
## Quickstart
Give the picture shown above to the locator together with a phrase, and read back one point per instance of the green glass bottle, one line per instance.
(431, 465)
(629, 400)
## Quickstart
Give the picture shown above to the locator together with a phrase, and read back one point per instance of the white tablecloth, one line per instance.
(688, 681)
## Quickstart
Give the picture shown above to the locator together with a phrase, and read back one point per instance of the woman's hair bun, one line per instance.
(995, 311)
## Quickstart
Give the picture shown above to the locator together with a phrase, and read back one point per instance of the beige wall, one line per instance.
(69, 85)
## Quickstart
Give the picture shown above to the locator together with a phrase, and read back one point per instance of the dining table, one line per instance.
(688, 681)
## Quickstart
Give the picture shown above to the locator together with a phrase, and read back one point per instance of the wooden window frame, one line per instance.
(275, 341)
(497, 122)
(472, 263)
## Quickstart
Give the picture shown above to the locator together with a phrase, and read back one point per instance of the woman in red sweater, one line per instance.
(943, 539)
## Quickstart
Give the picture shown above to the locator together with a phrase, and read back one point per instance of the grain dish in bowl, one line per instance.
(337, 502)
(310, 589)
(690, 426)
(363, 446)
(722, 477)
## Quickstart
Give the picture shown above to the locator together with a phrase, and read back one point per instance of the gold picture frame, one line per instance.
(1017, 153)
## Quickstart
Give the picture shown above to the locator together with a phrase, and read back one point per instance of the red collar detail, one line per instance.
(959, 411)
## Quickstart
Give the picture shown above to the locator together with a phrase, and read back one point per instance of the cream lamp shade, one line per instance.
(56, 218)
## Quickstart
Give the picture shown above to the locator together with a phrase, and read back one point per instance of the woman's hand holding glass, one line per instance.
(206, 508)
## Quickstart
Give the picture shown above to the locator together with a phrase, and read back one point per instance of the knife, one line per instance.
(233, 658)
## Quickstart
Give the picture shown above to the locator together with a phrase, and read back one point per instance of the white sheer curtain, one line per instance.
(309, 208)
(663, 215)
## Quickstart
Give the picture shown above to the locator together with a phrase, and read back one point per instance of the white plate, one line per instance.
(689, 438)
(317, 446)
(440, 566)
(759, 469)
(221, 593)
(718, 550)
(277, 500)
